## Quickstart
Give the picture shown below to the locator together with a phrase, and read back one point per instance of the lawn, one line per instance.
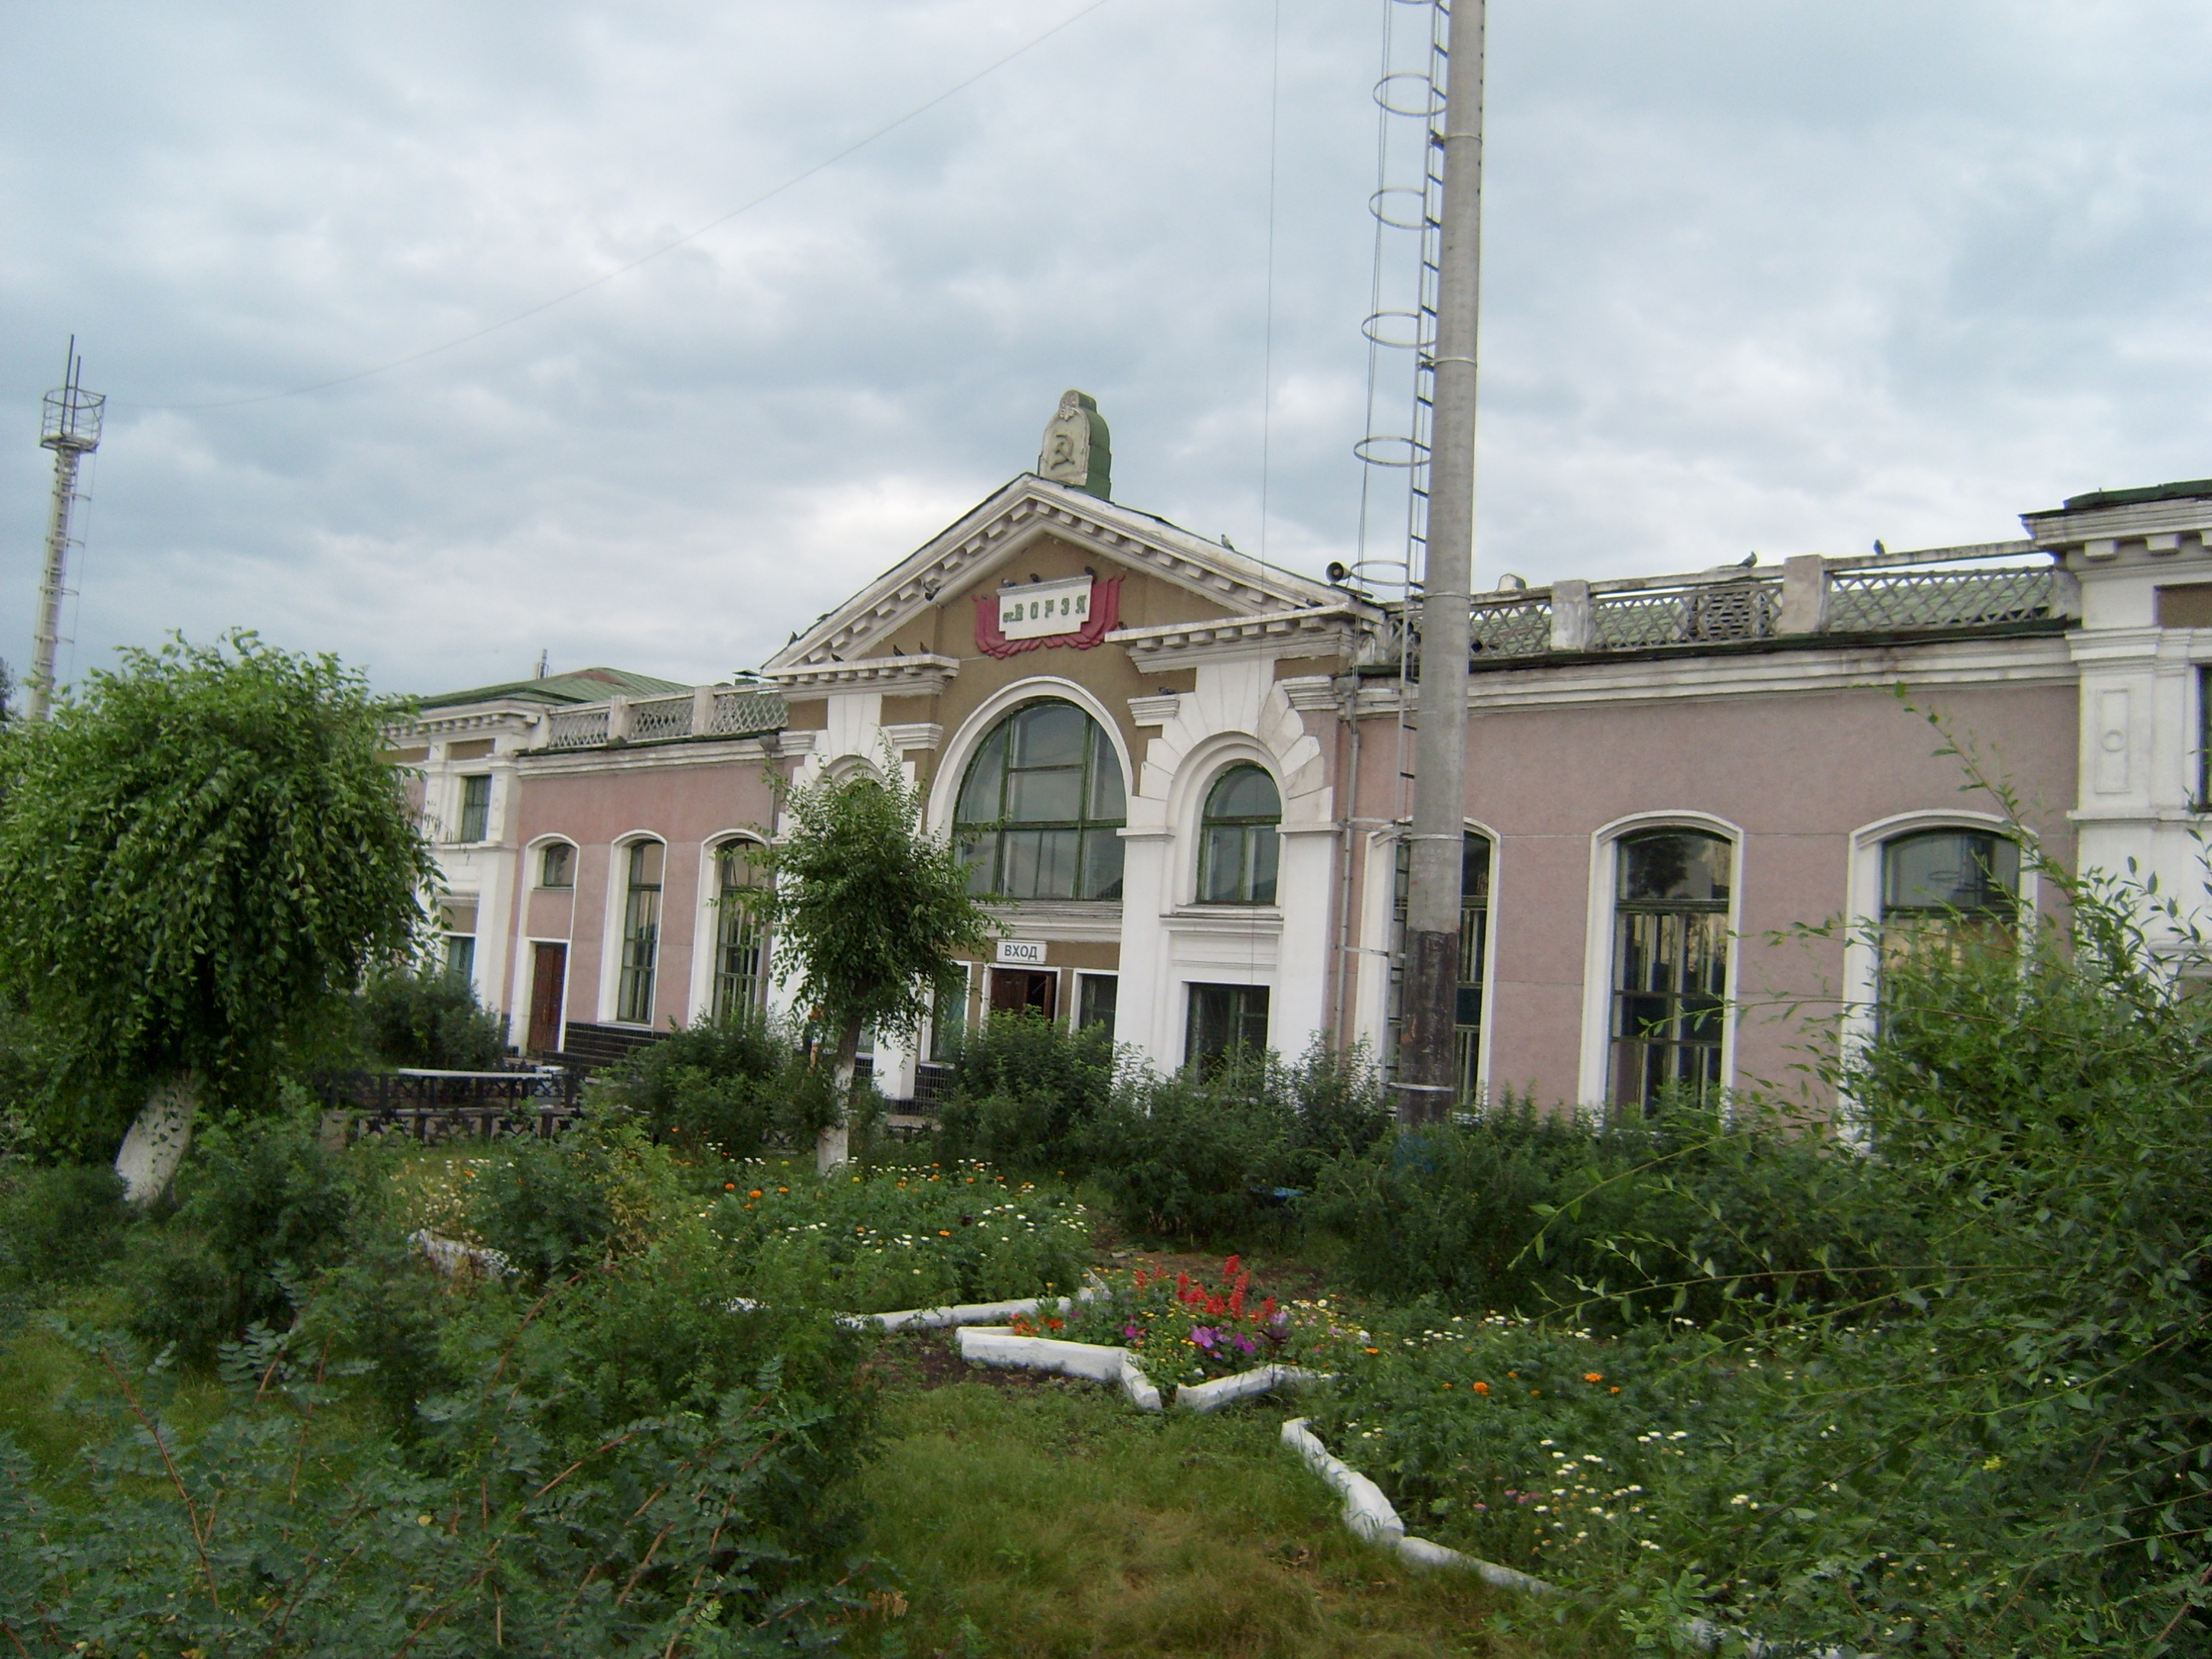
(1031, 1517)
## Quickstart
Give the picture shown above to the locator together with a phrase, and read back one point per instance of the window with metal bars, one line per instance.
(641, 937)
(1669, 965)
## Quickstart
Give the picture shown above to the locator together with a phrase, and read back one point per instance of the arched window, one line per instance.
(1473, 952)
(641, 936)
(740, 942)
(1237, 839)
(1669, 964)
(1041, 808)
(1947, 886)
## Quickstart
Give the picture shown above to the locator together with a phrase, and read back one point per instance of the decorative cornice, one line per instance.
(1313, 694)
(1328, 629)
(916, 676)
(922, 734)
(431, 728)
(1155, 711)
(652, 757)
(2015, 660)
(1070, 921)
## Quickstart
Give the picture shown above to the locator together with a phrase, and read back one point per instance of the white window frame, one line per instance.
(610, 926)
(1593, 1088)
(706, 925)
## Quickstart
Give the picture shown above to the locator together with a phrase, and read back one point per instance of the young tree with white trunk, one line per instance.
(200, 855)
(869, 910)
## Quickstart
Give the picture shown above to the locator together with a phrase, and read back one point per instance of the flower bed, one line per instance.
(903, 1236)
(1690, 1476)
(1186, 1330)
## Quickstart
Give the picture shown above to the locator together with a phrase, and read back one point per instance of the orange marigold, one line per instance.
(1481, 1388)
(1593, 1377)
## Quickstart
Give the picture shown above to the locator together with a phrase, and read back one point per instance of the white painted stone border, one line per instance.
(1370, 1515)
(1000, 1349)
(450, 1255)
(1244, 1385)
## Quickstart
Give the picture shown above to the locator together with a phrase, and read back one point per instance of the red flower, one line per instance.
(1228, 1267)
(1267, 1309)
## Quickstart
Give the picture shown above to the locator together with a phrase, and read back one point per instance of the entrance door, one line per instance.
(549, 979)
(1013, 989)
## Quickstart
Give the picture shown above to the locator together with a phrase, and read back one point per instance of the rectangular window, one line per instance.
(460, 959)
(641, 944)
(1225, 1019)
(2204, 740)
(557, 866)
(948, 1024)
(476, 807)
(1096, 994)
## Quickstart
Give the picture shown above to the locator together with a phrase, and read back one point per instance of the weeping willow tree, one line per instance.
(869, 910)
(200, 854)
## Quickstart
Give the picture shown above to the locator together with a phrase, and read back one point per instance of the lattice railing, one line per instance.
(1710, 614)
(577, 728)
(1520, 628)
(655, 720)
(739, 714)
(1878, 601)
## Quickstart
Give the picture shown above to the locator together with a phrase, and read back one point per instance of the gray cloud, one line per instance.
(1757, 275)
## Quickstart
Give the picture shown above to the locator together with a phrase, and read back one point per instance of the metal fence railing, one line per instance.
(434, 1106)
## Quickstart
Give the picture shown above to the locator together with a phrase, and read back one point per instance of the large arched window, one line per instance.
(740, 942)
(1237, 839)
(640, 935)
(1669, 964)
(1041, 808)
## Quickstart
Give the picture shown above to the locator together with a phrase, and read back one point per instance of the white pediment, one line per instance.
(1000, 528)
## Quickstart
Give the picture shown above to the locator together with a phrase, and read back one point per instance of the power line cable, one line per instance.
(765, 196)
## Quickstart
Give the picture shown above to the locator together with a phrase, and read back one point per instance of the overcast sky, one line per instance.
(1759, 274)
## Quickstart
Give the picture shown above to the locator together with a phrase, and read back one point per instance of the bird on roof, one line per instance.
(1747, 563)
(1879, 549)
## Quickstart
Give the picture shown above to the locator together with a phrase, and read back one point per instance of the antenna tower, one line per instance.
(68, 424)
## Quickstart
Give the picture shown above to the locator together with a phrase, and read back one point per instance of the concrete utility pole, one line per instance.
(1428, 1045)
(69, 425)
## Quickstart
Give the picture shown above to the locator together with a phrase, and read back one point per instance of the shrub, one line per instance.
(428, 1019)
(1689, 1212)
(1203, 1155)
(721, 1088)
(262, 1206)
(59, 1225)
(1025, 1092)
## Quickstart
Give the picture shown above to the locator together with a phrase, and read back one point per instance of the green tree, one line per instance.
(200, 856)
(868, 909)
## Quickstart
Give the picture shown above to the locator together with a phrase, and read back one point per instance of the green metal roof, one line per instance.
(584, 685)
(2188, 490)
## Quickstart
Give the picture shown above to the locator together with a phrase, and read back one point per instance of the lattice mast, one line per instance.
(68, 424)
(1428, 1044)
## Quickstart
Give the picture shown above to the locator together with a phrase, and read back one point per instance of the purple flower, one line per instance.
(1246, 1343)
(1130, 1329)
(1202, 1334)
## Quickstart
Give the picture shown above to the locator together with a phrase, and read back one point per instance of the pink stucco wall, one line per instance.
(686, 806)
(1797, 773)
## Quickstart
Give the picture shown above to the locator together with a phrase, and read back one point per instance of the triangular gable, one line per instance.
(1000, 527)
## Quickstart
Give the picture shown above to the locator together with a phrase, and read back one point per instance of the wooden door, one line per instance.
(549, 980)
(1013, 989)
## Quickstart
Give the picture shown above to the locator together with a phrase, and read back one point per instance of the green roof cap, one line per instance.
(584, 685)
(2165, 492)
